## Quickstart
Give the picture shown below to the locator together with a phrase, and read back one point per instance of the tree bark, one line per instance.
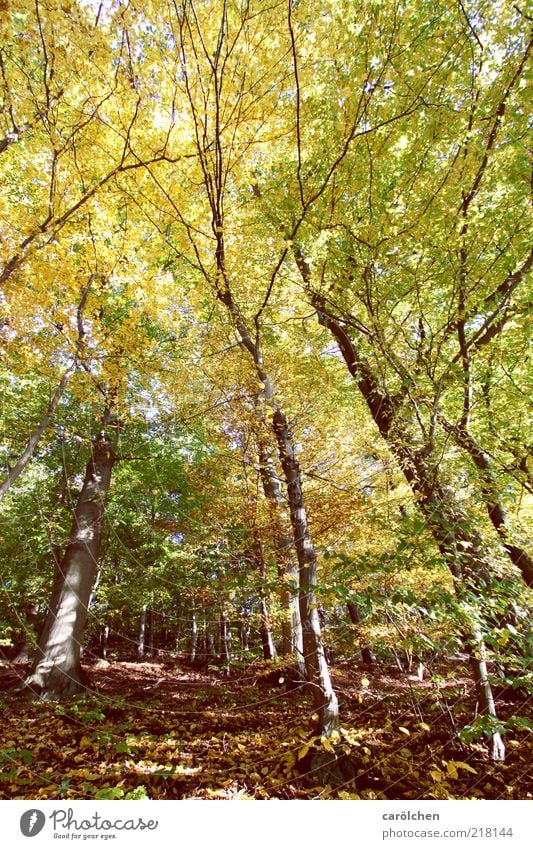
(367, 654)
(244, 631)
(141, 641)
(194, 633)
(56, 672)
(287, 565)
(104, 640)
(316, 668)
(248, 334)
(265, 631)
(317, 671)
(458, 541)
(225, 636)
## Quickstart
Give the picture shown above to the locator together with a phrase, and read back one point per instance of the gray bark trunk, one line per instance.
(265, 631)
(194, 633)
(316, 667)
(225, 636)
(291, 629)
(210, 648)
(458, 541)
(317, 671)
(267, 643)
(141, 641)
(485, 699)
(245, 636)
(26, 645)
(56, 671)
(104, 641)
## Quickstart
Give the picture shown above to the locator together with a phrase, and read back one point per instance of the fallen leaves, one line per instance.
(237, 739)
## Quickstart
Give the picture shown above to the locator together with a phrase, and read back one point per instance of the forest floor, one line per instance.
(170, 731)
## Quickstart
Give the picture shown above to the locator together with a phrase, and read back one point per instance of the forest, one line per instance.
(266, 486)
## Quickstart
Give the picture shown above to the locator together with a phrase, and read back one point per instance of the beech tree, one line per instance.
(56, 671)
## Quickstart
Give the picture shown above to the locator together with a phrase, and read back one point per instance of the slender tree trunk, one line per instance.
(56, 671)
(475, 648)
(249, 338)
(265, 631)
(367, 654)
(458, 541)
(141, 640)
(245, 635)
(287, 564)
(210, 647)
(324, 697)
(150, 627)
(225, 636)
(104, 640)
(194, 633)
(267, 643)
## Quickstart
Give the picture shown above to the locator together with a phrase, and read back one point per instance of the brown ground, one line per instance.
(180, 732)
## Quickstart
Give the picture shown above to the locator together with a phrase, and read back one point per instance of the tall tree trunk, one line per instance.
(316, 668)
(56, 671)
(265, 631)
(245, 635)
(141, 640)
(150, 627)
(104, 640)
(458, 541)
(225, 635)
(249, 338)
(367, 654)
(194, 633)
(317, 671)
(287, 564)
(267, 643)
(210, 647)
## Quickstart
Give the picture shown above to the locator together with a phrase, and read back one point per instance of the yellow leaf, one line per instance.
(436, 774)
(451, 770)
(404, 730)
(424, 726)
(327, 745)
(85, 743)
(365, 682)
(461, 765)
(302, 753)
